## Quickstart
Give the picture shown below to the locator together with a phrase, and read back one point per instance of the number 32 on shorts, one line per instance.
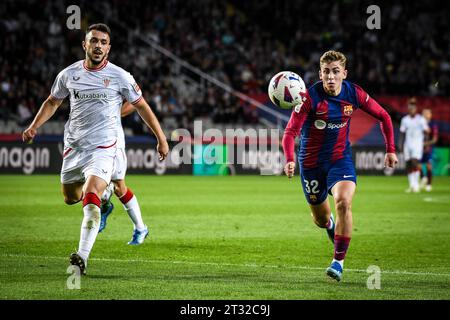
(311, 186)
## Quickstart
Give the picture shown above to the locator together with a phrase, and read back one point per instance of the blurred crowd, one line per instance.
(240, 43)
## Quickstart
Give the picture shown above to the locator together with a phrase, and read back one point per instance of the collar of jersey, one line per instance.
(95, 69)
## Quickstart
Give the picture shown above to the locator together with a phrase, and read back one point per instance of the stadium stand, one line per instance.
(239, 47)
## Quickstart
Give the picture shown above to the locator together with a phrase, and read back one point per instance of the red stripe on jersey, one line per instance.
(91, 198)
(127, 196)
(66, 152)
(137, 100)
(341, 142)
(106, 147)
(100, 67)
(316, 137)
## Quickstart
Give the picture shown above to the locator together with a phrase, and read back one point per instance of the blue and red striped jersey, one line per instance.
(433, 134)
(324, 122)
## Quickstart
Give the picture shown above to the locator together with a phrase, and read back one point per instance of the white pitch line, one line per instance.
(437, 199)
(251, 265)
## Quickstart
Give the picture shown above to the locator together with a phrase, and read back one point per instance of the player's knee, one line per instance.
(343, 205)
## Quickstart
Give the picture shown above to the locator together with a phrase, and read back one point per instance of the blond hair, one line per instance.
(331, 56)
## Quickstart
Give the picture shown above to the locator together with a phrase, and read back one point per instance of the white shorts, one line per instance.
(80, 164)
(120, 165)
(413, 152)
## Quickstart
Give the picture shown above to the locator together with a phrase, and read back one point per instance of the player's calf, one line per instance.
(72, 200)
(320, 220)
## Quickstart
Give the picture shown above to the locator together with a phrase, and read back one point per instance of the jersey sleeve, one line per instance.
(298, 118)
(130, 90)
(59, 88)
(370, 106)
(403, 126)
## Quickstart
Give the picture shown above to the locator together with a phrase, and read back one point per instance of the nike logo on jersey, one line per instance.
(348, 176)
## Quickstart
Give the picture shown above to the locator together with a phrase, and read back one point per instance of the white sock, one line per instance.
(341, 262)
(134, 211)
(411, 179)
(89, 230)
(417, 179)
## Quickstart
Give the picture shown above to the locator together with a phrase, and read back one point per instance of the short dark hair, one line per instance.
(99, 27)
(412, 101)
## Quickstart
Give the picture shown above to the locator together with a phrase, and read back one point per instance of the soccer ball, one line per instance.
(287, 89)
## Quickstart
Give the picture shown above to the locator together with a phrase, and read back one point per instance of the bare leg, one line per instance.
(72, 192)
(343, 192)
(321, 213)
(121, 188)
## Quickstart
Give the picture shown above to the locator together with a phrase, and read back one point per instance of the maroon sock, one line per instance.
(429, 176)
(341, 244)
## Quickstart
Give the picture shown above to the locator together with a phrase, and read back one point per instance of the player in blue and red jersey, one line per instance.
(325, 157)
(431, 139)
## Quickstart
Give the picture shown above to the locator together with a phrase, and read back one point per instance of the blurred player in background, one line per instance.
(120, 189)
(325, 157)
(412, 129)
(96, 89)
(431, 139)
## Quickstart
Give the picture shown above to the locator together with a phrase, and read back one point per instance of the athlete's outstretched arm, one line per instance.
(46, 111)
(372, 107)
(298, 117)
(146, 113)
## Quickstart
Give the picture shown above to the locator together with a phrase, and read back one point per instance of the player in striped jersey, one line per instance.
(325, 157)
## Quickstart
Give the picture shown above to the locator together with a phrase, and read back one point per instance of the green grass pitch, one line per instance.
(225, 238)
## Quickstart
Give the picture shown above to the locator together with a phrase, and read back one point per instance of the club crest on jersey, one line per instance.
(106, 82)
(348, 109)
(313, 197)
